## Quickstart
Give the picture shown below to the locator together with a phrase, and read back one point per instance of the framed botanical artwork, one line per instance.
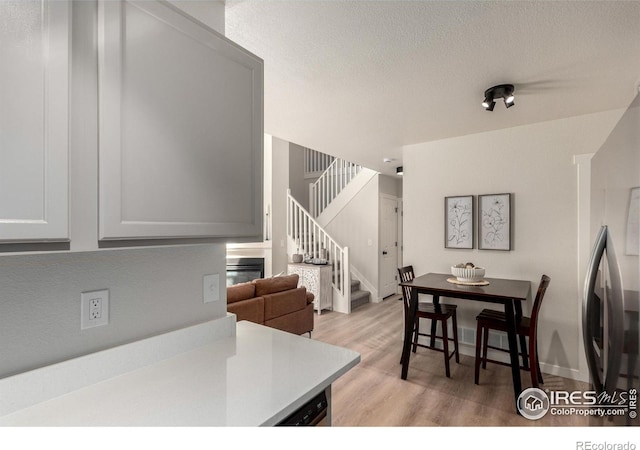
(494, 222)
(458, 222)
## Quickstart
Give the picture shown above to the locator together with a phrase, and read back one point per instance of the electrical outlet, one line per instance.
(94, 309)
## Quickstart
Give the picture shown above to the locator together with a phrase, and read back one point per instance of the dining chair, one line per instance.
(437, 313)
(489, 319)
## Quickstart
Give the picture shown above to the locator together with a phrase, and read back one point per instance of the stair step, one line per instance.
(359, 298)
(355, 285)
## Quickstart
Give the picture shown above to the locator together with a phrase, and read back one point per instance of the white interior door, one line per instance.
(388, 245)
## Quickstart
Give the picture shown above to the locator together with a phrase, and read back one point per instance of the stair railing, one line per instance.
(330, 184)
(312, 240)
(315, 162)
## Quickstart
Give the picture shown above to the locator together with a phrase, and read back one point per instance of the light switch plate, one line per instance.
(211, 288)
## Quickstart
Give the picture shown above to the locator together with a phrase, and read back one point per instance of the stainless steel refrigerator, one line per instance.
(610, 306)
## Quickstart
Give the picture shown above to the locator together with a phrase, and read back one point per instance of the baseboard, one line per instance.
(467, 346)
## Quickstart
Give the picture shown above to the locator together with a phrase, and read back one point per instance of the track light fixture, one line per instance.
(503, 91)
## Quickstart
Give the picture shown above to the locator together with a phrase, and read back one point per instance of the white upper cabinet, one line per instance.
(180, 127)
(34, 121)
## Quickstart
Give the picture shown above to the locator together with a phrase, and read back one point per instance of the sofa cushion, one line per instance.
(286, 302)
(242, 291)
(265, 286)
(251, 310)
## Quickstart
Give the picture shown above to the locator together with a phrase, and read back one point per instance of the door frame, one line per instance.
(397, 239)
(400, 237)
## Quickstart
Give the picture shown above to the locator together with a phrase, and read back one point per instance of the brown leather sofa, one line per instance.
(276, 302)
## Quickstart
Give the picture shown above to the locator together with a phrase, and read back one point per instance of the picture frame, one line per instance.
(458, 222)
(494, 222)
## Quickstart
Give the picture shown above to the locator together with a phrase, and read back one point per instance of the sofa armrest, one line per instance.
(251, 309)
(286, 302)
(310, 298)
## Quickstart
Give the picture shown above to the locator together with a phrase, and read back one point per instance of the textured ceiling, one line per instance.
(360, 79)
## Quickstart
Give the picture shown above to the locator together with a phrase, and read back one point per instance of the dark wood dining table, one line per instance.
(510, 293)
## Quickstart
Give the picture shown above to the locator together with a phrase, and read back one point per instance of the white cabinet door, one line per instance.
(317, 280)
(181, 111)
(34, 135)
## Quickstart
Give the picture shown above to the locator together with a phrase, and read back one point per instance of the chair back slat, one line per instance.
(406, 274)
(542, 289)
(435, 314)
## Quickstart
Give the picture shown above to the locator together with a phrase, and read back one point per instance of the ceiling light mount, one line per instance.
(503, 91)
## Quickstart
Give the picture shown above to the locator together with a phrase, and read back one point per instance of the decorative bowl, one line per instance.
(468, 275)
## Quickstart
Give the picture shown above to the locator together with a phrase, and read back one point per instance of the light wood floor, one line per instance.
(373, 394)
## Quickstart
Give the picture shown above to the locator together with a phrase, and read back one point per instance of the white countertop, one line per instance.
(257, 377)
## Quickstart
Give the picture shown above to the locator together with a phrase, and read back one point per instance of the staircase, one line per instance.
(329, 185)
(359, 297)
(306, 236)
(334, 188)
(315, 162)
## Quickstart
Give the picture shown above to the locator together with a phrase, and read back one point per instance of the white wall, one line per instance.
(152, 290)
(391, 185)
(535, 164)
(260, 249)
(357, 227)
(210, 12)
(297, 182)
(279, 186)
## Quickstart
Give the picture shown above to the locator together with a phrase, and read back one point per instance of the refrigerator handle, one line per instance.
(589, 303)
(615, 319)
